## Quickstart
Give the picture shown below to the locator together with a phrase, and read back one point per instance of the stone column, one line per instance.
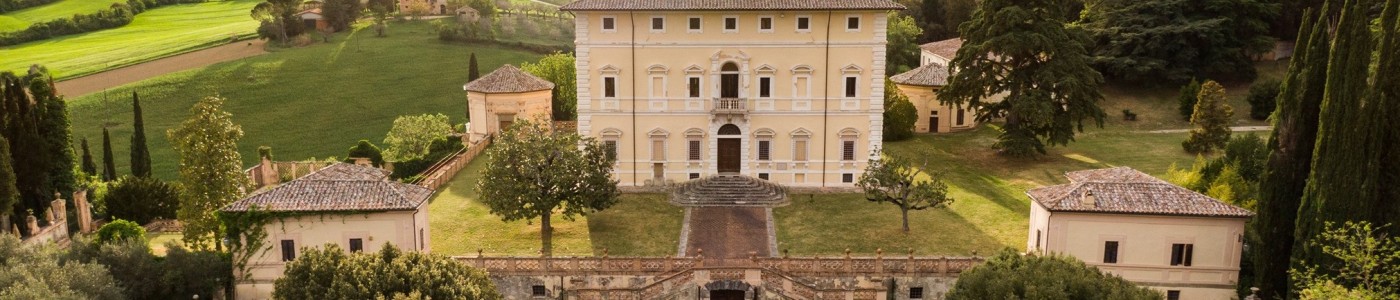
(84, 211)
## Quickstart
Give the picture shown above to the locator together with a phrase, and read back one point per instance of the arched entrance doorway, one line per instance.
(729, 149)
(730, 290)
(729, 80)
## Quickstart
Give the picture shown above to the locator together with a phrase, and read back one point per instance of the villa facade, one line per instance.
(786, 91)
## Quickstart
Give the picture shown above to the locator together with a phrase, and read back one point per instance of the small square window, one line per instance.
(763, 176)
(765, 24)
(1181, 254)
(848, 178)
(694, 175)
(916, 293)
(538, 291)
(731, 24)
(804, 24)
(853, 23)
(695, 23)
(1173, 295)
(357, 245)
(658, 23)
(609, 23)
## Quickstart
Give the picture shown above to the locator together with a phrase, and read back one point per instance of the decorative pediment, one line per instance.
(802, 69)
(765, 69)
(801, 132)
(659, 133)
(852, 68)
(695, 133)
(609, 69)
(849, 133)
(610, 133)
(658, 69)
(694, 69)
(763, 133)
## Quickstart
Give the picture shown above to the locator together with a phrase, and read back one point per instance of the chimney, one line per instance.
(1088, 200)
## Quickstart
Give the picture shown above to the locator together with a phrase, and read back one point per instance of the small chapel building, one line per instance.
(496, 100)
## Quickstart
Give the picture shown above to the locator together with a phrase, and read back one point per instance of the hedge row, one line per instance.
(13, 5)
(118, 15)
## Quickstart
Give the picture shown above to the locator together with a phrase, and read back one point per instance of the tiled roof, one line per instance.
(945, 48)
(508, 79)
(732, 5)
(925, 75)
(1124, 190)
(340, 187)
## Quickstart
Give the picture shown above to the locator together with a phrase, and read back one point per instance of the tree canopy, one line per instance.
(1211, 120)
(900, 114)
(331, 273)
(895, 180)
(559, 69)
(902, 50)
(211, 170)
(1150, 41)
(412, 137)
(140, 154)
(1024, 50)
(38, 272)
(1010, 275)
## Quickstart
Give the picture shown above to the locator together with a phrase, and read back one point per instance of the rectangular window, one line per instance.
(422, 240)
(694, 87)
(852, 23)
(961, 114)
(763, 153)
(694, 175)
(658, 150)
(610, 147)
(731, 24)
(609, 87)
(538, 291)
(848, 150)
(916, 293)
(658, 23)
(695, 23)
(357, 245)
(1110, 251)
(1173, 295)
(765, 24)
(799, 149)
(765, 87)
(609, 23)
(289, 250)
(1037, 238)
(763, 176)
(804, 24)
(1181, 254)
(848, 178)
(693, 150)
(850, 87)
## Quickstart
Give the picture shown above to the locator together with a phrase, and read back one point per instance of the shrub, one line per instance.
(330, 273)
(118, 15)
(121, 230)
(13, 5)
(39, 272)
(141, 199)
(1263, 97)
(439, 150)
(1008, 274)
(181, 274)
(365, 149)
(1186, 99)
(900, 114)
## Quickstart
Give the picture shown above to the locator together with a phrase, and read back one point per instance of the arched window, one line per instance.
(729, 80)
(729, 129)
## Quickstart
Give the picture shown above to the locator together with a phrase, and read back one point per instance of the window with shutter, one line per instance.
(1110, 252)
(289, 250)
(694, 150)
(658, 150)
(763, 151)
(799, 151)
(848, 150)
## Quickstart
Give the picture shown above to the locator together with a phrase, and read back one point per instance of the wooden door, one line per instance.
(729, 156)
(933, 121)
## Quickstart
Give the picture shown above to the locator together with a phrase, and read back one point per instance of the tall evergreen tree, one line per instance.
(28, 149)
(88, 166)
(109, 164)
(1387, 112)
(1211, 118)
(1026, 50)
(1344, 166)
(1186, 99)
(1290, 159)
(1149, 41)
(57, 134)
(211, 170)
(140, 155)
(473, 72)
(931, 17)
(9, 193)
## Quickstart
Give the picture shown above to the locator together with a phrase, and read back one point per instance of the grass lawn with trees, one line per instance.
(638, 225)
(20, 19)
(315, 101)
(154, 34)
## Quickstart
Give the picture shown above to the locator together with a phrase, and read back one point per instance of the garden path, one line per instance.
(728, 232)
(117, 77)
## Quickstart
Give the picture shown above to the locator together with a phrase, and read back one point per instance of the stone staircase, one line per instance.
(729, 190)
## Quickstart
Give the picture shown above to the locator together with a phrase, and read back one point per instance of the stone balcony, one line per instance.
(729, 190)
(730, 107)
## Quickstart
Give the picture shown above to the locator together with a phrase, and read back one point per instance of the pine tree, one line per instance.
(55, 130)
(88, 166)
(109, 164)
(931, 17)
(1344, 165)
(1387, 112)
(140, 155)
(1186, 99)
(474, 72)
(9, 193)
(28, 149)
(1211, 120)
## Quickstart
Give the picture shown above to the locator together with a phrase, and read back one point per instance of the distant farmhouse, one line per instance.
(1148, 231)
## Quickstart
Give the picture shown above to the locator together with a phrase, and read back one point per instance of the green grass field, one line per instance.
(21, 19)
(638, 225)
(154, 34)
(307, 102)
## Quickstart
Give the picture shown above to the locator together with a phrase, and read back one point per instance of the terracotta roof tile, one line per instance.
(945, 48)
(1124, 190)
(732, 5)
(508, 79)
(340, 187)
(925, 75)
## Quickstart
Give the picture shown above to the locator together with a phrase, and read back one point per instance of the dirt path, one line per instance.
(113, 78)
(1236, 128)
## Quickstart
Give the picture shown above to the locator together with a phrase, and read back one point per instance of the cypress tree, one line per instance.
(473, 71)
(1385, 103)
(109, 166)
(1344, 166)
(88, 166)
(140, 156)
(1186, 99)
(1290, 158)
(28, 149)
(56, 132)
(9, 193)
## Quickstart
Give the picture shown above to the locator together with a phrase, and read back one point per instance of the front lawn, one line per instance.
(307, 102)
(639, 225)
(21, 19)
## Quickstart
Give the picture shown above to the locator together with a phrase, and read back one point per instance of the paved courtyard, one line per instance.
(728, 232)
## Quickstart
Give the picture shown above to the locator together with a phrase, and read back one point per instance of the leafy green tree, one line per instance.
(109, 163)
(331, 273)
(38, 272)
(340, 14)
(1010, 275)
(1263, 97)
(931, 16)
(535, 172)
(1186, 99)
(88, 166)
(412, 136)
(211, 170)
(1290, 149)
(380, 9)
(368, 150)
(1145, 41)
(1212, 119)
(486, 8)
(473, 71)
(1025, 49)
(902, 52)
(900, 114)
(180, 274)
(141, 199)
(119, 230)
(277, 20)
(559, 69)
(895, 180)
(140, 154)
(1232, 188)
(9, 192)
(1368, 264)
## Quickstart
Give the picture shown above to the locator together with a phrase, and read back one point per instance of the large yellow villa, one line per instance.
(788, 91)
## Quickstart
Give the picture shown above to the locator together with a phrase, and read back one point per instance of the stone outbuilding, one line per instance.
(921, 86)
(498, 99)
(313, 19)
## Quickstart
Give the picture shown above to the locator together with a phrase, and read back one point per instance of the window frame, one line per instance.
(289, 250)
(725, 24)
(797, 23)
(850, 86)
(848, 150)
(858, 22)
(1182, 254)
(695, 149)
(848, 178)
(355, 245)
(916, 292)
(765, 86)
(609, 87)
(608, 24)
(962, 116)
(1110, 251)
(652, 25)
(695, 24)
(610, 148)
(771, 24)
(539, 291)
(695, 87)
